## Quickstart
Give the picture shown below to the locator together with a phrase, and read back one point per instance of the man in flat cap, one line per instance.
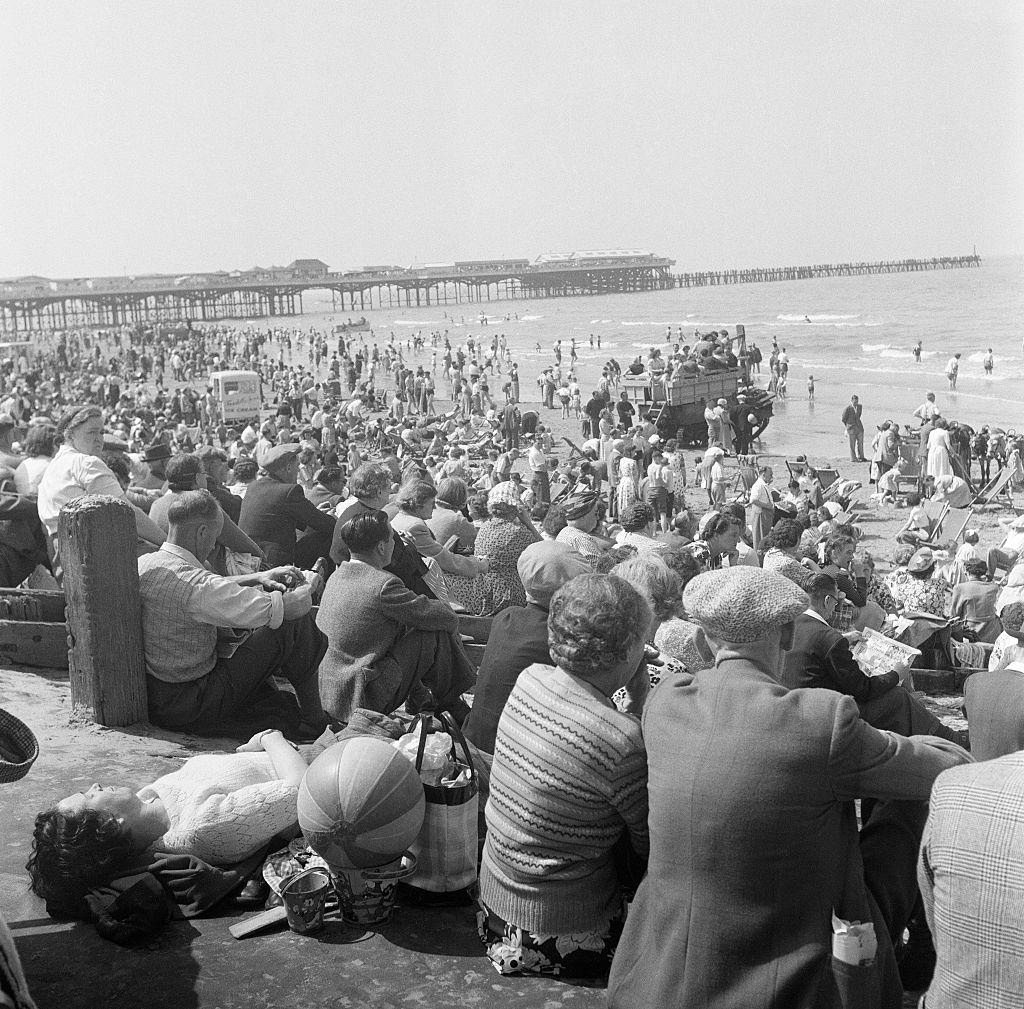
(754, 839)
(276, 513)
(578, 534)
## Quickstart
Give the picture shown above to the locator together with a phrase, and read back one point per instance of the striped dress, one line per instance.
(569, 776)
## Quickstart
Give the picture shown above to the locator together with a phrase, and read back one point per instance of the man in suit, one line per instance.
(821, 657)
(275, 509)
(972, 884)
(519, 636)
(754, 840)
(855, 429)
(386, 644)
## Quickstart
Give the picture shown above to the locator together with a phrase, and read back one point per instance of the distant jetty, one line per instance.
(33, 304)
(767, 274)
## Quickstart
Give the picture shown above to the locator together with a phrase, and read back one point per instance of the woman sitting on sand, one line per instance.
(220, 807)
(550, 897)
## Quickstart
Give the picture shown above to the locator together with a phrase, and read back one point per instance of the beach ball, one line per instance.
(361, 803)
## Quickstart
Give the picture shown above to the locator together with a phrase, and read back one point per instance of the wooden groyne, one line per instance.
(767, 274)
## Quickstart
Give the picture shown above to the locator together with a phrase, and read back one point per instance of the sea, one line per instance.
(854, 335)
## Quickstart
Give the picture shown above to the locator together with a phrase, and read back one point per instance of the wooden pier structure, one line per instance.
(37, 303)
(768, 274)
(30, 304)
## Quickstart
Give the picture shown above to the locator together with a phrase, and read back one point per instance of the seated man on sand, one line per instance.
(387, 645)
(197, 680)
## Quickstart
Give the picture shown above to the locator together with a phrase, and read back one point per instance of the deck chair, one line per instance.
(746, 474)
(999, 484)
(797, 468)
(826, 477)
(952, 525)
(936, 511)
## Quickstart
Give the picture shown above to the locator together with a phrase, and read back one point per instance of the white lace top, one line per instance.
(223, 807)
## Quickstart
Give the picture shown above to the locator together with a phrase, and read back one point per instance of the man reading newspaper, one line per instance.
(822, 657)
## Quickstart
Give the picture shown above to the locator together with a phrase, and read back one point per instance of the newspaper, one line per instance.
(876, 654)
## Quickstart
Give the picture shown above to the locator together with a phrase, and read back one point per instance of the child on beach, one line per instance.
(810, 388)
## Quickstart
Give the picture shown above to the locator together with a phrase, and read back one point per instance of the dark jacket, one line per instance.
(272, 514)
(821, 657)
(518, 638)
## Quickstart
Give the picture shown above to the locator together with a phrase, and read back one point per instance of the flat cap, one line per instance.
(277, 458)
(546, 566)
(744, 603)
(580, 504)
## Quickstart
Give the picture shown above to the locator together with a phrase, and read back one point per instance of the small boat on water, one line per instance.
(353, 326)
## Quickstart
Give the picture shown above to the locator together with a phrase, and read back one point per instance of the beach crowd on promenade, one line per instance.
(691, 784)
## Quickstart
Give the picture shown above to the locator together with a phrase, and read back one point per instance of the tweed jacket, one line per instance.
(994, 705)
(972, 885)
(754, 842)
(364, 612)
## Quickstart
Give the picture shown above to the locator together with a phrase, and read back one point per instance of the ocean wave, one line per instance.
(870, 348)
(421, 322)
(828, 325)
(530, 318)
(821, 317)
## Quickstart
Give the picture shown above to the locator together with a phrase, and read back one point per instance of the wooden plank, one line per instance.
(50, 604)
(34, 643)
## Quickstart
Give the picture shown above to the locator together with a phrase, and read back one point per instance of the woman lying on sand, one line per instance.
(219, 807)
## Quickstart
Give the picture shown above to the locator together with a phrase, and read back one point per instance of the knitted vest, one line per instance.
(178, 648)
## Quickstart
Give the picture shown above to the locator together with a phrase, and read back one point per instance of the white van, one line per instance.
(238, 396)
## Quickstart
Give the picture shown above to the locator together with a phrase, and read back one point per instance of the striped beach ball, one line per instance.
(361, 803)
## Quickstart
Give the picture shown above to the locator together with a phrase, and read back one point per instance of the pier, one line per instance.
(768, 274)
(34, 304)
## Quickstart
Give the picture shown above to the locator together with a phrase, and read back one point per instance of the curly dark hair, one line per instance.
(681, 560)
(593, 623)
(73, 854)
(784, 535)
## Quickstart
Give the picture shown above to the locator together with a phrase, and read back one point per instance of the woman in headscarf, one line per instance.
(503, 536)
(77, 470)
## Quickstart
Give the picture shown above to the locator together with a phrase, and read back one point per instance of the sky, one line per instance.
(159, 137)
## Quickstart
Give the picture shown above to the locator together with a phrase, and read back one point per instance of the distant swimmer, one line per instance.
(988, 362)
(807, 318)
(917, 352)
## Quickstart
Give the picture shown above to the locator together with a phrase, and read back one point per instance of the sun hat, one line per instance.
(545, 567)
(723, 402)
(18, 748)
(1011, 617)
(923, 560)
(743, 604)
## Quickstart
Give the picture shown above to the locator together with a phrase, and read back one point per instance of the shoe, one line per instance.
(253, 894)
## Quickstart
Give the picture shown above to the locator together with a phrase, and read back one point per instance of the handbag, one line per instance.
(446, 847)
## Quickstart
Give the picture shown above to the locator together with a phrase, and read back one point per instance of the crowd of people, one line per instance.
(690, 776)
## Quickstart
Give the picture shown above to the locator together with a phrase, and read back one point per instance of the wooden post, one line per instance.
(98, 549)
